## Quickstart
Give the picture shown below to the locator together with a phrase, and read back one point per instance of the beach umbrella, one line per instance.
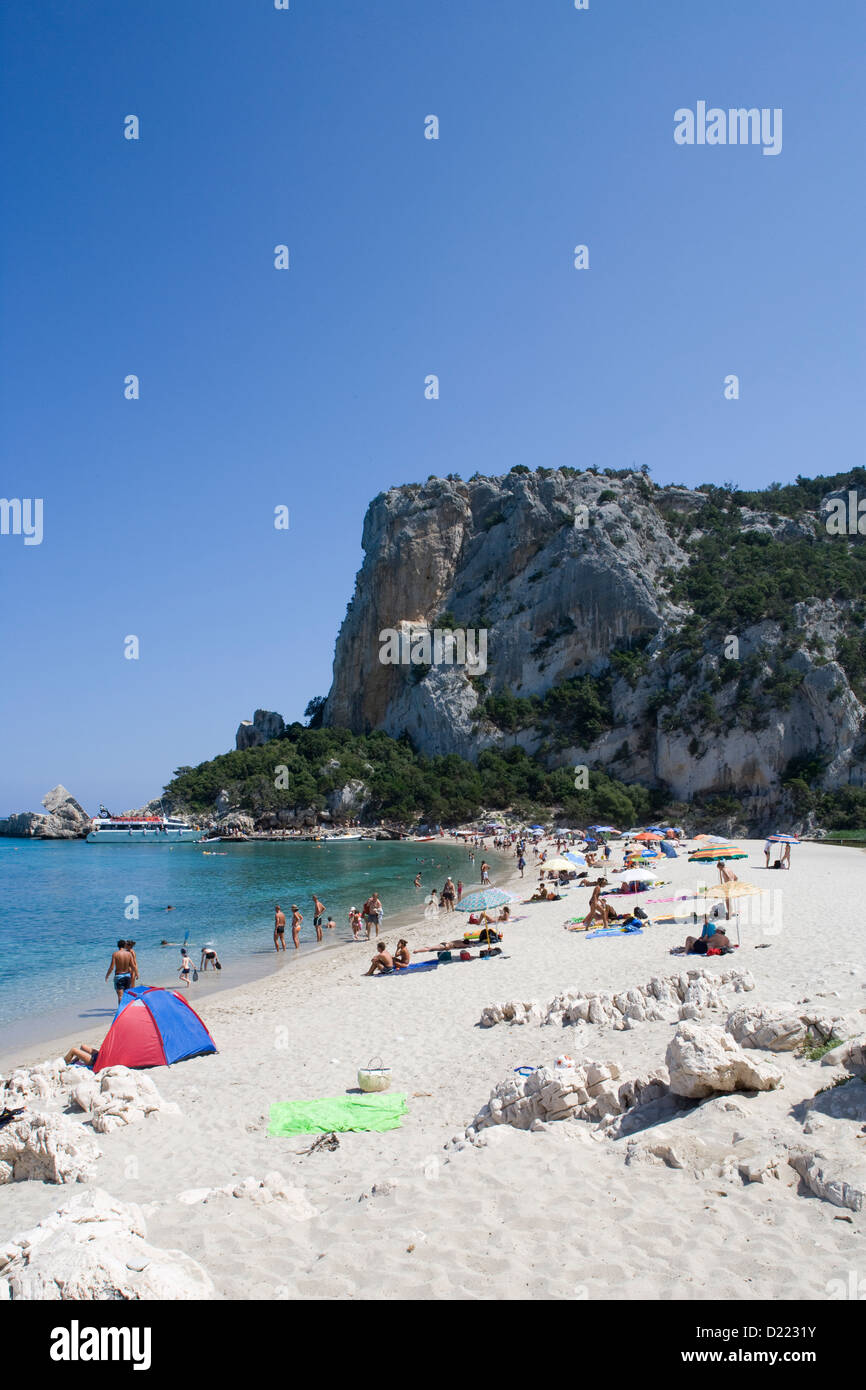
(703, 856)
(558, 862)
(783, 839)
(647, 835)
(605, 829)
(636, 876)
(575, 858)
(483, 900)
(730, 892)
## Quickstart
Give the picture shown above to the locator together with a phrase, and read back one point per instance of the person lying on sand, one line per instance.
(83, 1053)
(402, 955)
(382, 962)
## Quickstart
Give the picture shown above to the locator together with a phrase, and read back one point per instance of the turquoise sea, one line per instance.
(64, 903)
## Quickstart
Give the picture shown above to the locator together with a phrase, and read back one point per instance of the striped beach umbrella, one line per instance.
(704, 856)
(782, 840)
(483, 900)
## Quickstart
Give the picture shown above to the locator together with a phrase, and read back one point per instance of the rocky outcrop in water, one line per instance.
(64, 819)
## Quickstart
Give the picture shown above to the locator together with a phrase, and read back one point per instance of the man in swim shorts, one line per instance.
(372, 913)
(279, 928)
(124, 968)
(317, 916)
(383, 962)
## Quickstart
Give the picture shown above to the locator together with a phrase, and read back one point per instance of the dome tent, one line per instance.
(153, 1027)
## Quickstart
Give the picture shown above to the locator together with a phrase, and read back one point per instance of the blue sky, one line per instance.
(408, 257)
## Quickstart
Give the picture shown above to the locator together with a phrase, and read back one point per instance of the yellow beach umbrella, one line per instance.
(726, 891)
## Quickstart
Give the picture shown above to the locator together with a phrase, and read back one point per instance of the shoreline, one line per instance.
(28, 1041)
(420, 1207)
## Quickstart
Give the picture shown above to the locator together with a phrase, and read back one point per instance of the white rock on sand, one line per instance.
(272, 1188)
(46, 1148)
(94, 1247)
(702, 1060)
(771, 1027)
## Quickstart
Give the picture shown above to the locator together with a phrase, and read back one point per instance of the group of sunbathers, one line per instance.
(384, 963)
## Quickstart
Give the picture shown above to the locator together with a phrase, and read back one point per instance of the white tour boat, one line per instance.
(106, 829)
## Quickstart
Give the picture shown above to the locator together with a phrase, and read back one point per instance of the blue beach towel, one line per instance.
(419, 965)
(616, 931)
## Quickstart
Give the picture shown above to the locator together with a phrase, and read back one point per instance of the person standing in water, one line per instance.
(319, 911)
(297, 919)
(185, 967)
(279, 928)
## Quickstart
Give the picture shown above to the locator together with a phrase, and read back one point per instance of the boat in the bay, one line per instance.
(106, 829)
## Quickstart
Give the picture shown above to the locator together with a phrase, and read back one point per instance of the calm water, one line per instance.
(62, 906)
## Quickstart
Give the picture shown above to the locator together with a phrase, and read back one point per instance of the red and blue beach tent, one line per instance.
(153, 1027)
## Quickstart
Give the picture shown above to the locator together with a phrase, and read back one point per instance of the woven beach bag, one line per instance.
(373, 1077)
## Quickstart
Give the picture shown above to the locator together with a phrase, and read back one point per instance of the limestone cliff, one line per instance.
(264, 726)
(565, 570)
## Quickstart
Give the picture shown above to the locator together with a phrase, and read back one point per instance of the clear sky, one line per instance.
(409, 256)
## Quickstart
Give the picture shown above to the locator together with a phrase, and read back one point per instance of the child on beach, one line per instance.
(185, 968)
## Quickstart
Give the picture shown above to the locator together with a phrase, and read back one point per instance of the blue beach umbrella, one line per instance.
(575, 858)
(483, 900)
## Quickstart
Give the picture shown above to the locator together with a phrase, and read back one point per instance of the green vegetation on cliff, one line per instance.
(401, 784)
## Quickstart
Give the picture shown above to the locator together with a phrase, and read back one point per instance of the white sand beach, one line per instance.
(563, 1212)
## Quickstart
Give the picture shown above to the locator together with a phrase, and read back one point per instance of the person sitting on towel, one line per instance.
(383, 962)
(701, 945)
(83, 1053)
(402, 955)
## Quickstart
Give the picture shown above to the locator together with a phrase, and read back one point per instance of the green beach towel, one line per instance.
(380, 1110)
